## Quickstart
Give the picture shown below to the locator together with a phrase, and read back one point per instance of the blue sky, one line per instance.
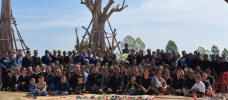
(50, 24)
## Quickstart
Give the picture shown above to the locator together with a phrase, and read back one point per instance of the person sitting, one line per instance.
(146, 84)
(178, 83)
(40, 87)
(32, 85)
(95, 81)
(198, 89)
(210, 79)
(56, 79)
(132, 88)
(62, 88)
(190, 81)
(48, 77)
(37, 74)
(167, 77)
(159, 83)
(116, 82)
(81, 86)
(208, 88)
(23, 81)
(10, 82)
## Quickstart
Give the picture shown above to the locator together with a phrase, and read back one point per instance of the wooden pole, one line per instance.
(6, 26)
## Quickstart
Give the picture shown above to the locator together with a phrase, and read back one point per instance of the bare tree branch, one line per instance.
(77, 41)
(108, 6)
(88, 4)
(117, 9)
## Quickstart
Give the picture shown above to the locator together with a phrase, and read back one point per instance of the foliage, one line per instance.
(202, 51)
(215, 50)
(225, 51)
(85, 42)
(137, 44)
(122, 57)
(171, 47)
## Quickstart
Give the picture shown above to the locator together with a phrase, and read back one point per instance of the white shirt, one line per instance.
(85, 77)
(199, 86)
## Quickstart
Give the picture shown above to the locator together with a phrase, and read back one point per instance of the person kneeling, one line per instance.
(62, 88)
(198, 89)
(80, 87)
(40, 87)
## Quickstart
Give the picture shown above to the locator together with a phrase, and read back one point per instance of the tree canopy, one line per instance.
(215, 50)
(136, 44)
(171, 47)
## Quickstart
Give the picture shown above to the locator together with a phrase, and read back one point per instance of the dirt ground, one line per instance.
(20, 96)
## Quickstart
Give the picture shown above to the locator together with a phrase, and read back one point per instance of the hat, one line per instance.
(80, 76)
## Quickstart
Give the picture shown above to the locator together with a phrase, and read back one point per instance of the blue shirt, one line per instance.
(48, 78)
(63, 87)
(32, 88)
(45, 60)
(91, 60)
(79, 59)
(6, 63)
(18, 61)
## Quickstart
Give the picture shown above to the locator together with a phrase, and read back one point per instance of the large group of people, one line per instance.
(78, 72)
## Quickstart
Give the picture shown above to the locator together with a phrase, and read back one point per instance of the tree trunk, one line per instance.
(98, 27)
(6, 27)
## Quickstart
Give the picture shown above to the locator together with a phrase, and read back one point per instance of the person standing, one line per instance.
(28, 61)
(36, 58)
(18, 59)
(6, 64)
(46, 59)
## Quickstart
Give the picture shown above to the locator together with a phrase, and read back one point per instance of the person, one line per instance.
(56, 79)
(153, 72)
(68, 58)
(178, 83)
(167, 77)
(107, 60)
(46, 59)
(149, 55)
(36, 58)
(23, 81)
(82, 70)
(198, 89)
(48, 77)
(10, 82)
(32, 85)
(54, 56)
(17, 73)
(210, 79)
(80, 58)
(62, 88)
(28, 60)
(37, 74)
(140, 57)
(6, 64)
(81, 86)
(18, 59)
(131, 57)
(205, 64)
(116, 82)
(159, 84)
(95, 81)
(146, 84)
(91, 59)
(208, 88)
(74, 78)
(190, 81)
(60, 57)
(30, 71)
(132, 88)
(125, 50)
(40, 87)
(107, 76)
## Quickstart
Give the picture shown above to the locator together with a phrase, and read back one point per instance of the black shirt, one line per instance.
(9, 82)
(168, 81)
(189, 83)
(204, 65)
(35, 76)
(138, 78)
(36, 60)
(207, 84)
(133, 86)
(130, 58)
(60, 59)
(210, 80)
(56, 80)
(74, 79)
(53, 59)
(139, 59)
(178, 84)
(146, 82)
(80, 87)
(95, 79)
(116, 83)
(25, 79)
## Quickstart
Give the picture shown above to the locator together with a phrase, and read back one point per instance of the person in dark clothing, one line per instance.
(159, 60)
(140, 57)
(10, 82)
(197, 60)
(91, 59)
(62, 88)
(146, 84)
(80, 58)
(178, 83)
(60, 57)
(23, 81)
(46, 59)
(223, 65)
(48, 77)
(116, 82)
(190, 81)
(37, 74)
(112, 55)
(107, 59)
(6, 64)
(80, 86)
(56, 79)
(36, 59)
(68, 58)
(54, 56)
(132, 88)
(212, 64)
(210, 79)
(205, 64)
(28, 60)
(74, 78)
(149, 55)
(95, 81)
(153, 71)
(208, 88)
(167, 77)
(131, 57)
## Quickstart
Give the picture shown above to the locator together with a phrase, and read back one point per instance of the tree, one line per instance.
(225, 51)
(171, 47)
(215, 50)
(202, 51)
(137, 44)
(85, 42)
(208, 52)
(99, 18)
